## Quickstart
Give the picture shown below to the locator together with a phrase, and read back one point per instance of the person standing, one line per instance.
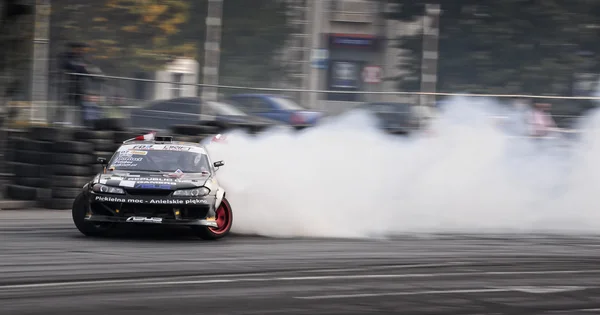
(541, 121)
(74, 67)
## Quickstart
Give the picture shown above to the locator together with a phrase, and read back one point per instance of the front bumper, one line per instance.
(151, 220)
(149, 209)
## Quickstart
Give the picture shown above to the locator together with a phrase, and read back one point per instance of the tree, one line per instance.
(133, 35)
(510, 46)
(141, 35)
(252, 34)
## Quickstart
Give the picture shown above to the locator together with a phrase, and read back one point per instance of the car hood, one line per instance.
(146, 180)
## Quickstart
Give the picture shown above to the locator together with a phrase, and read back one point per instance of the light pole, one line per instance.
(317, 18)
(430, 53)
(212, 49)
(39, 77)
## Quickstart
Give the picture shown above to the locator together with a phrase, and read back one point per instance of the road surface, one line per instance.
(48, 267)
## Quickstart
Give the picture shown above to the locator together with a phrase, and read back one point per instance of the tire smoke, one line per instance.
(345, 178)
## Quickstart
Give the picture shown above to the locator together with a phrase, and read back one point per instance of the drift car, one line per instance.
(153, 180)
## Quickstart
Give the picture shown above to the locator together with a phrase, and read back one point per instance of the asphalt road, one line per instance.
(47, 267)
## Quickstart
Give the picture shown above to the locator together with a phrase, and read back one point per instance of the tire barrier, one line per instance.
(51, 164)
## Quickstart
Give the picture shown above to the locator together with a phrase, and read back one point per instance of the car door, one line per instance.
(262, 107)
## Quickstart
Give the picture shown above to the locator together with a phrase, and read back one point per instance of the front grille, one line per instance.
(149, 192)
(126, 210)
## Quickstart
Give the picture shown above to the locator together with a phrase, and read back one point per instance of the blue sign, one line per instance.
(319, 58)
(352, 40)
(344, 74)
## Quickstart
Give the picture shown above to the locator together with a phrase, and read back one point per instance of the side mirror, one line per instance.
(102, 161)
(218, 163)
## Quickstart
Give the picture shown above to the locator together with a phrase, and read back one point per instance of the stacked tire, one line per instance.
(102, 145)
(31, 160)
(71, 167)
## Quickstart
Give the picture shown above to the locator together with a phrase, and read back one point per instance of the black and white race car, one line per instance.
(154, 180)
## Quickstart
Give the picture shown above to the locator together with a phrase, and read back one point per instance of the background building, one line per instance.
(348, 45)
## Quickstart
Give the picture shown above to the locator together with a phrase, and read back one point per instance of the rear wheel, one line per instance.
(224, 219)
(80, 209)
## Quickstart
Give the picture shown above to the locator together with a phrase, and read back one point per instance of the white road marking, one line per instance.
(524, 289)
(407, 266)
(543, 289)
(237, 278)
(436, 292)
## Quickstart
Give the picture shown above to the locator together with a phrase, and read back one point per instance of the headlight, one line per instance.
(107, 189)
(197, 192)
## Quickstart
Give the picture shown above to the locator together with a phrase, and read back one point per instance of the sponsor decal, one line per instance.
(143, 147)
(177, 148)
(144, 220)
(138, 152)
(196, 202)
(152, 186)
(117, 199)
(167, 201)
(155, 179)
(178, 201)
(127, 183)
(126, 161)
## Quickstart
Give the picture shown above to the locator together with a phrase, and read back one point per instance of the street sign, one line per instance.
(372, 74)
(319, 58)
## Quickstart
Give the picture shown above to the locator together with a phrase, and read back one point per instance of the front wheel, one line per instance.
(80, 209)
(224, 218)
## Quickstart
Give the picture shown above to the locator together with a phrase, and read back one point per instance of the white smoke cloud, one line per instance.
(345, 178)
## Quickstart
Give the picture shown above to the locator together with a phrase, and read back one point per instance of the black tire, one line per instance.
(113, 124)
(79, 210)
(34, 182)
(65, 193)
(97, 169)
(51, 134)
(25, 169)
(78, 147)
(106, 155)
(32, 157)
(102, 144)
(73, 159)
(71, 170)
(34, 145)
(211, 234)
(86, 135)
(69, 181)
(120, 136)
(21, 192)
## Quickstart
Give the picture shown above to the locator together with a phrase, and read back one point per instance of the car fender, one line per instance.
(220, 196)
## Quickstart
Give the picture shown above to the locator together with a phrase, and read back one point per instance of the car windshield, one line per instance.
(174, 158)
(287, 104)
(225, 109)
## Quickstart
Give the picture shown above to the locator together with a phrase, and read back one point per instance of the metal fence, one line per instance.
(134, 99)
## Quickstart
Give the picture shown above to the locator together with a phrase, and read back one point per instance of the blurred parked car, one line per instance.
(276, 107)
(395, 118)
(187, 111)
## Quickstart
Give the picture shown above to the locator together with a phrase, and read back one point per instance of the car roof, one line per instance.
(199, 146)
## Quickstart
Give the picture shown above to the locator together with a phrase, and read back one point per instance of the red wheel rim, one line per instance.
(223, 218)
